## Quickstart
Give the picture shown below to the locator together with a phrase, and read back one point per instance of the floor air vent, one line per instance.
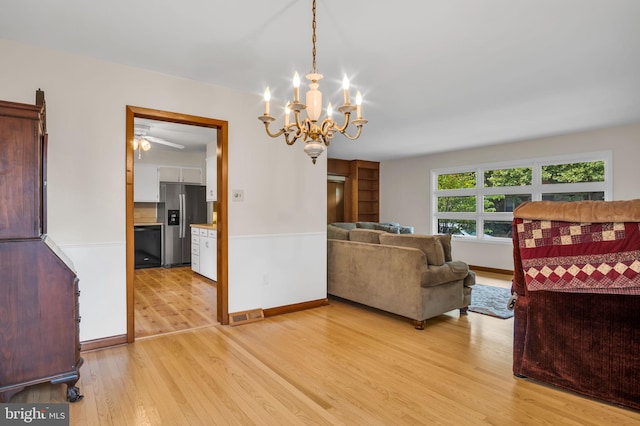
(244, 317)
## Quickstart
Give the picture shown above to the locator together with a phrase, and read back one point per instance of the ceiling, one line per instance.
(193, 138)
(436, 75)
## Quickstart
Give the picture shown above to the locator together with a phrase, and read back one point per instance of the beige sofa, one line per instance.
(409, 275)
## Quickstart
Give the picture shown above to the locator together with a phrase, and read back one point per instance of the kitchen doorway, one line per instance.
(132, 113)
(172, 163)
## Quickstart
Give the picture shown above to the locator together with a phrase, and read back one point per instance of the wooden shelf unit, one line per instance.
(362, 188)
(365, 190)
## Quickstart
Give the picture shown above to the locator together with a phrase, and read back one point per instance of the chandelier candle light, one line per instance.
(315, 135)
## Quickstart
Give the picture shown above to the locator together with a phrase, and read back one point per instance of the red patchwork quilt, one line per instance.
(579, 257)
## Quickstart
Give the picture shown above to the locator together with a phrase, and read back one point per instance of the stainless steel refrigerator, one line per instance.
(180, 205)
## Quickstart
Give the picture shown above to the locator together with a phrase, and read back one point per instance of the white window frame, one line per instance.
(536, 189)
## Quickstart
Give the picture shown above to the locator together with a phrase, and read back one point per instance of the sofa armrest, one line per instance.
(470, 279)
(450, 271)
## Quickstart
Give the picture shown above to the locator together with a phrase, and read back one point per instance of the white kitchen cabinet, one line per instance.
(208, 255)
(169, 174)
(145, 183)
(191, 175)
(180, 174)
(195, 242)
(204, 253)
(212, 178)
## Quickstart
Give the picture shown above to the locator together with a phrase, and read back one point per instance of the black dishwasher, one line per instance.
(148, 246)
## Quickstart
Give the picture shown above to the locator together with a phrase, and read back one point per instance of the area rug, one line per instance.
(490, 300)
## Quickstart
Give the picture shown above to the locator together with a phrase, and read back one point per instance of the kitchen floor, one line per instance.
(169, 300)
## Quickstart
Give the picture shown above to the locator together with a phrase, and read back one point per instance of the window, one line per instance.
(477, 202)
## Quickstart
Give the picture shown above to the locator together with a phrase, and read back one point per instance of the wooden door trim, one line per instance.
(222, 208)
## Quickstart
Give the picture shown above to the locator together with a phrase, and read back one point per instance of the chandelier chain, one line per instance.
(313, 38)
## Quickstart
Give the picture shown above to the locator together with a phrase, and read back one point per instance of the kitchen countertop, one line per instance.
(204, 225)
(147, 223)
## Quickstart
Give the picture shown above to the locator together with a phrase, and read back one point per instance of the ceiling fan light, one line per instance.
(145, 145)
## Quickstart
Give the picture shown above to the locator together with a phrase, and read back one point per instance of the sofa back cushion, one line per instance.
(365, 235)
(337, 233)
(430, 245)
(445, 240)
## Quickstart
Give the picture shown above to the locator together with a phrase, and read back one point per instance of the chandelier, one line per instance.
(316, 135)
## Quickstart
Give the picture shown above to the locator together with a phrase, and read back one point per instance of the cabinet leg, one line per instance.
(6, 395)
(73, 394)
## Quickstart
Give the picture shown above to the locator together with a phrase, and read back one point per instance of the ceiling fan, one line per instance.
(141, 139)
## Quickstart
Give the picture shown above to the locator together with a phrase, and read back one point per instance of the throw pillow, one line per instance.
(387, 228)
(366, 225)
(390, 223)
(344, 225)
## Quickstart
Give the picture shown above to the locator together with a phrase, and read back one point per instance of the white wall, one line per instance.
(86, 99)
(405, 184)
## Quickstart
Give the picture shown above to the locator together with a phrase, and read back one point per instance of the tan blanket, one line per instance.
(580, 211)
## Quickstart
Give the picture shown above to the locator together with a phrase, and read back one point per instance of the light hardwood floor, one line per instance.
(338, 364)
(172, 299)
(494, 279)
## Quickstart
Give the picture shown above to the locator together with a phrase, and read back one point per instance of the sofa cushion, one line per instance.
(366, 235)
(337, 233)
(429, 244)
(392, 229)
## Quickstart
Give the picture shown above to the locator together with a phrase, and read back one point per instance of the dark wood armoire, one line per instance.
(39, 320)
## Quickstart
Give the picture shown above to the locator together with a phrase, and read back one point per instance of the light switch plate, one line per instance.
(237, 194)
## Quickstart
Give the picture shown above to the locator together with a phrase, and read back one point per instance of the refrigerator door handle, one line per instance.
(181, 207)
(184, 215)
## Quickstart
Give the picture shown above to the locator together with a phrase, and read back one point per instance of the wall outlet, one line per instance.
(265, 279)
(237, 194)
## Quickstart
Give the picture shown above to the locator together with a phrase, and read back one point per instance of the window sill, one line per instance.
(474, 240)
